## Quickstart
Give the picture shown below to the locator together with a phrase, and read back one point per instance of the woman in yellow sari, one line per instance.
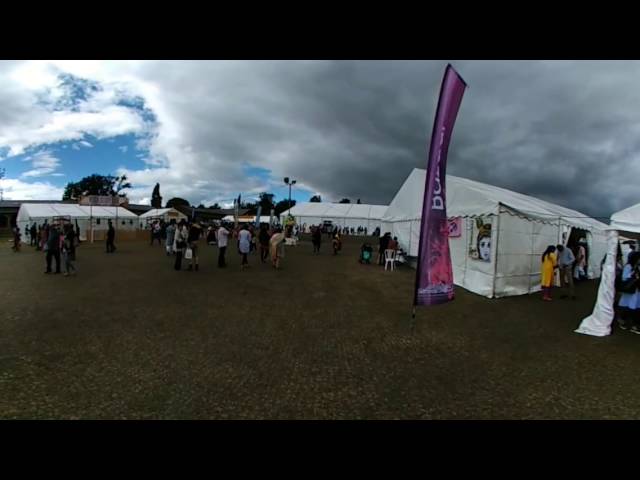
(549, 264)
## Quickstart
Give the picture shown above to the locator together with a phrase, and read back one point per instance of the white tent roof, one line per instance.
(161, 212)
(337, 210)
(467, 198)
(29, 211)
(627, 220)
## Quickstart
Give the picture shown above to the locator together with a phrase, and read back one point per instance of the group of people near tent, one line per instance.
(183, 239)
(571, 266)
(627, 285)
(57, 240)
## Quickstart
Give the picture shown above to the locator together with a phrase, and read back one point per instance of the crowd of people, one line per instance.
(182, 240)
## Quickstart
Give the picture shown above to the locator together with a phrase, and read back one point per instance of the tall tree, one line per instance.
(201, 206)
(316, 199)
(177, 202)
(96, 185)
(266, 202)
(156, 199)
(345, 200)
(283, 205)
(215, 206)
(120, 183)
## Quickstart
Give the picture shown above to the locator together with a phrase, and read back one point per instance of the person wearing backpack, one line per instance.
(630, 298)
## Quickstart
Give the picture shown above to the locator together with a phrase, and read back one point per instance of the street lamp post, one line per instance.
(289, 182)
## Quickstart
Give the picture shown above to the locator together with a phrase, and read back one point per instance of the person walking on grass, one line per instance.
(549, 264)
(171, 235)
(263, 237)
(111, 236)
(276, 247)
(316, 239)
(244, 245)
(222, 240)
(180, 243)
(53, 248)
(566, 259)
(68, 250)
(34, 235)
(193, 240)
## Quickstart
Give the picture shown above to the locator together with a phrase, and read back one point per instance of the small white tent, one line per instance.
(166, 214)
(501, 234)
(352, 215)
(39, 212)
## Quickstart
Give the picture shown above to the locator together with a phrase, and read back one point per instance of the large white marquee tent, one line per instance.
(352, 215)
(521, 227)
(39, 212)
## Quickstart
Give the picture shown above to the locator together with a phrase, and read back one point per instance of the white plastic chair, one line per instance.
(389, 259)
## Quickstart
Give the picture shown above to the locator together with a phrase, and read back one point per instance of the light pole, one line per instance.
(289, 182)
(2, 172)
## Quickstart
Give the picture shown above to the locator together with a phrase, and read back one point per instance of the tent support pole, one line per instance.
(413, 319)
(495, 255)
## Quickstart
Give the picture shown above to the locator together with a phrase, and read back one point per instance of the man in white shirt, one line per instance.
(223, 239)
(565, 264)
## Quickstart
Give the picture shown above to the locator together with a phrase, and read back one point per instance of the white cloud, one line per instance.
(123, 148)
(15, 189)
(82, 143)
(44, 163)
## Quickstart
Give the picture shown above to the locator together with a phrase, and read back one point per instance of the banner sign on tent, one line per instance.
(102, 200)
(434, 276)
(455, 227)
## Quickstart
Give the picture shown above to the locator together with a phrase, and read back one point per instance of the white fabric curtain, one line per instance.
(599, 322)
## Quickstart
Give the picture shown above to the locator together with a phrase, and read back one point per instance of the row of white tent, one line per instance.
(351, 215)
(122, 218)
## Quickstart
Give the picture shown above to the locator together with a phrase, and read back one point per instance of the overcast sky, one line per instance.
(567, 132)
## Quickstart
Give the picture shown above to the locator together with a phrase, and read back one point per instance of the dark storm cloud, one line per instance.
(563, 131)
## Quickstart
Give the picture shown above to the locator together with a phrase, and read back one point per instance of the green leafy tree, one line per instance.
(316, 199)
(215, 206)
(283, 205)
(177, 202)
(266, 202)
(345, 200)
(96, 185)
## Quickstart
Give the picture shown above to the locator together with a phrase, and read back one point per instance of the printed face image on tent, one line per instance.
(500, 234)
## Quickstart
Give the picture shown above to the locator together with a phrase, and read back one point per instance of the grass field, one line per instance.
(323, 338)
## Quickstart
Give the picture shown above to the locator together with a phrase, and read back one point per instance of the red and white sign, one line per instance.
(455, 227)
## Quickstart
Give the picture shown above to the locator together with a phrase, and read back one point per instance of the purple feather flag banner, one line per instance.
(434, 276)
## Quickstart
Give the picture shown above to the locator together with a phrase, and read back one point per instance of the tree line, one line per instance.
(114, 185)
